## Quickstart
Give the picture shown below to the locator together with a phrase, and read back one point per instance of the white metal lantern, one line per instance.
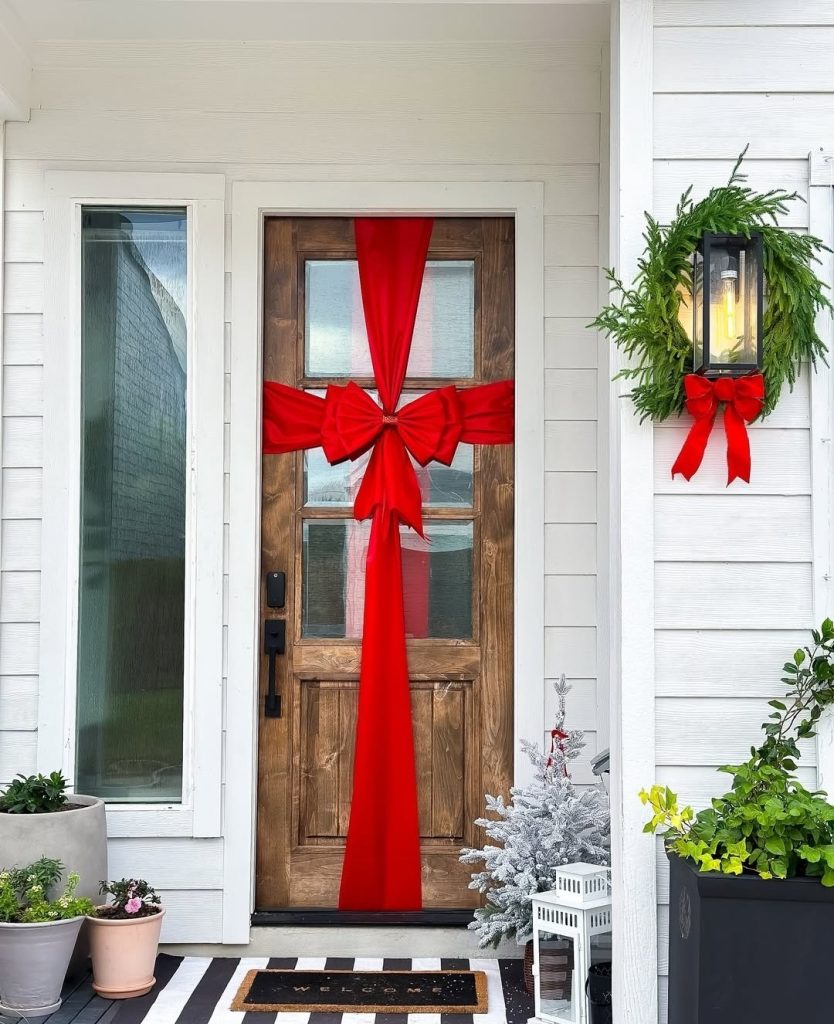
(571, 931)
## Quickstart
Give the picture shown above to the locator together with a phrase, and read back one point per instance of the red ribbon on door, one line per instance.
(382, 856)
(743, 399)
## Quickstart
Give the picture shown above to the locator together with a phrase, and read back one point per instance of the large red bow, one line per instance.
(743, 398)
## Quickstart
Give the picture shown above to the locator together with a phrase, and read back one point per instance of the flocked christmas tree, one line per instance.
(548, 822)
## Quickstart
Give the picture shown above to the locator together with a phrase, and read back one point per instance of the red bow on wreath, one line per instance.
(743, 398)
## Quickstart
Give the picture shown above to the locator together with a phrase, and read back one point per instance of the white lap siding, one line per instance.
(734, 581)
(482, 110)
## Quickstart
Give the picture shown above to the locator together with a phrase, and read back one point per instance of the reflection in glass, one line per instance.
(132, 570)
(560, 991)
(336, 344)
(437, 579)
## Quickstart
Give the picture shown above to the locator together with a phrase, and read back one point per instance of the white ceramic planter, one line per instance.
(124, 955)
(33, 964)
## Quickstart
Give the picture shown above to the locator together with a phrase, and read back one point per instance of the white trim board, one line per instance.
(631, 521)
(202, 195)
(821, 224)
(250, 202)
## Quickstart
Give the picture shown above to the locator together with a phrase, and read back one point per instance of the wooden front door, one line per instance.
(458, 585)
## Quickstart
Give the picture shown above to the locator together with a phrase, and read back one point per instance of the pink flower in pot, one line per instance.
(124, 936)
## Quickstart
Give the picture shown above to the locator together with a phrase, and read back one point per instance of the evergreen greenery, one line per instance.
(644, 320)
(768, 824)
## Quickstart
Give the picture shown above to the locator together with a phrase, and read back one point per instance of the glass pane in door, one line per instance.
(437, 579)
(335, 340)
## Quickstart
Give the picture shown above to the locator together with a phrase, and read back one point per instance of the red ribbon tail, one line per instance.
(692, 453)
(738, 445)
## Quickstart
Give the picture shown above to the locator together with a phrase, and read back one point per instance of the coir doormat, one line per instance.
(364, 991)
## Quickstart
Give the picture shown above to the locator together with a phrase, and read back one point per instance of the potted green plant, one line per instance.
(37, 936)
(752, 876)
(124, 936)
(39, 819)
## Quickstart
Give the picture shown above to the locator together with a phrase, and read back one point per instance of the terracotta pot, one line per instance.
(124, 955)
(33, 965)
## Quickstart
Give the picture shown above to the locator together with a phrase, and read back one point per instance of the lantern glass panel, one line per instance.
(727, 284)
(558, 985)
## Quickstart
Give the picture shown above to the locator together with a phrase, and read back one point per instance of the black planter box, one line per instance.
(747, 951)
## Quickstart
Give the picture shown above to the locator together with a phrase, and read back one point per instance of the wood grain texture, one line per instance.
(700, 126)
(719, 596)
(742, 12)
(716, 731)
(23, 339)
(714, 663)
(18, 754)
(748, 59)
(732, 528)
(23, 441)
(673, 177)
(780, 459)
(461, 689)
(18, 703)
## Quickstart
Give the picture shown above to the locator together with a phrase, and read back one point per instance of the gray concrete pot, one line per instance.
(33, 964)
(77, 838)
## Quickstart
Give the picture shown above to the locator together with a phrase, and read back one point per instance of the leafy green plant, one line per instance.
(35, 794)
(131, 898)
(644, 320)
(24, 894)
(768, 823)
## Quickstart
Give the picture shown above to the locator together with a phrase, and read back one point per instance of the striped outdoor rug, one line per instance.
(200, 990)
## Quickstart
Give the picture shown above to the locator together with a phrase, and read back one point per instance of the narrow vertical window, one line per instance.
(131, 626)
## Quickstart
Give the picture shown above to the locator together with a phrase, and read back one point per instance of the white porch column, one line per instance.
(632, 541)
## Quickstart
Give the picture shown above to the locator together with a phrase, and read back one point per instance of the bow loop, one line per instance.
(743, 399)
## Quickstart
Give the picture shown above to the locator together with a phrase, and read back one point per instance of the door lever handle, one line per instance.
(275, 643)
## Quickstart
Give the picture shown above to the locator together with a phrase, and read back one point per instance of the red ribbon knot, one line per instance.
(743, 400)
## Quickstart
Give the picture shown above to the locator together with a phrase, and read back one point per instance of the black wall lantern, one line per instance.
(728, 301)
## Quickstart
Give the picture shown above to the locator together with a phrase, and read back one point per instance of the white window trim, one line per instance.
(821, 224)
(251, 201)
(200, 813)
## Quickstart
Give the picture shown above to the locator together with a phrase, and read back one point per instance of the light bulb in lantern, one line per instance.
(729, 285)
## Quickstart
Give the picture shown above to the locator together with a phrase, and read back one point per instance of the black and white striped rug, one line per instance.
(200, 990)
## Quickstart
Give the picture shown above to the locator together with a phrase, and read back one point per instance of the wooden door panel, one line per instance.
(461, 685)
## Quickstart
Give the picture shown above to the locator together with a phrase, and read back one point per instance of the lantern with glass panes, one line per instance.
(571, 933)
(728, 299)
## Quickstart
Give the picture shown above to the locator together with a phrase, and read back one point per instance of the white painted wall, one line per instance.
(480, 110)
(734, 573)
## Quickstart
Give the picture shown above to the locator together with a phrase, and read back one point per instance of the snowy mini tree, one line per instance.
(547, 823)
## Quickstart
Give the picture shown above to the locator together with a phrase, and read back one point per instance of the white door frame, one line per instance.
(251, 202)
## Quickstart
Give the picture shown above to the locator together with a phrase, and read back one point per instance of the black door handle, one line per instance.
(275, 642)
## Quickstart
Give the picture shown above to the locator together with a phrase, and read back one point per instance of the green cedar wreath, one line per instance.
(647, 320)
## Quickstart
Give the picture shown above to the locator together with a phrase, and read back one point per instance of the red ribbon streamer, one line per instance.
(743, 398)
(382, 856)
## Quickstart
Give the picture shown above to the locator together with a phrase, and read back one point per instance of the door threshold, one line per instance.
(327, 917)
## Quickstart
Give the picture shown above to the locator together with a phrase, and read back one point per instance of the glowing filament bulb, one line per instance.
(729, 288)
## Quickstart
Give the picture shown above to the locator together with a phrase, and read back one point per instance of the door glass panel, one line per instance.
(437, 579)
(335, 341)
(132, 572)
